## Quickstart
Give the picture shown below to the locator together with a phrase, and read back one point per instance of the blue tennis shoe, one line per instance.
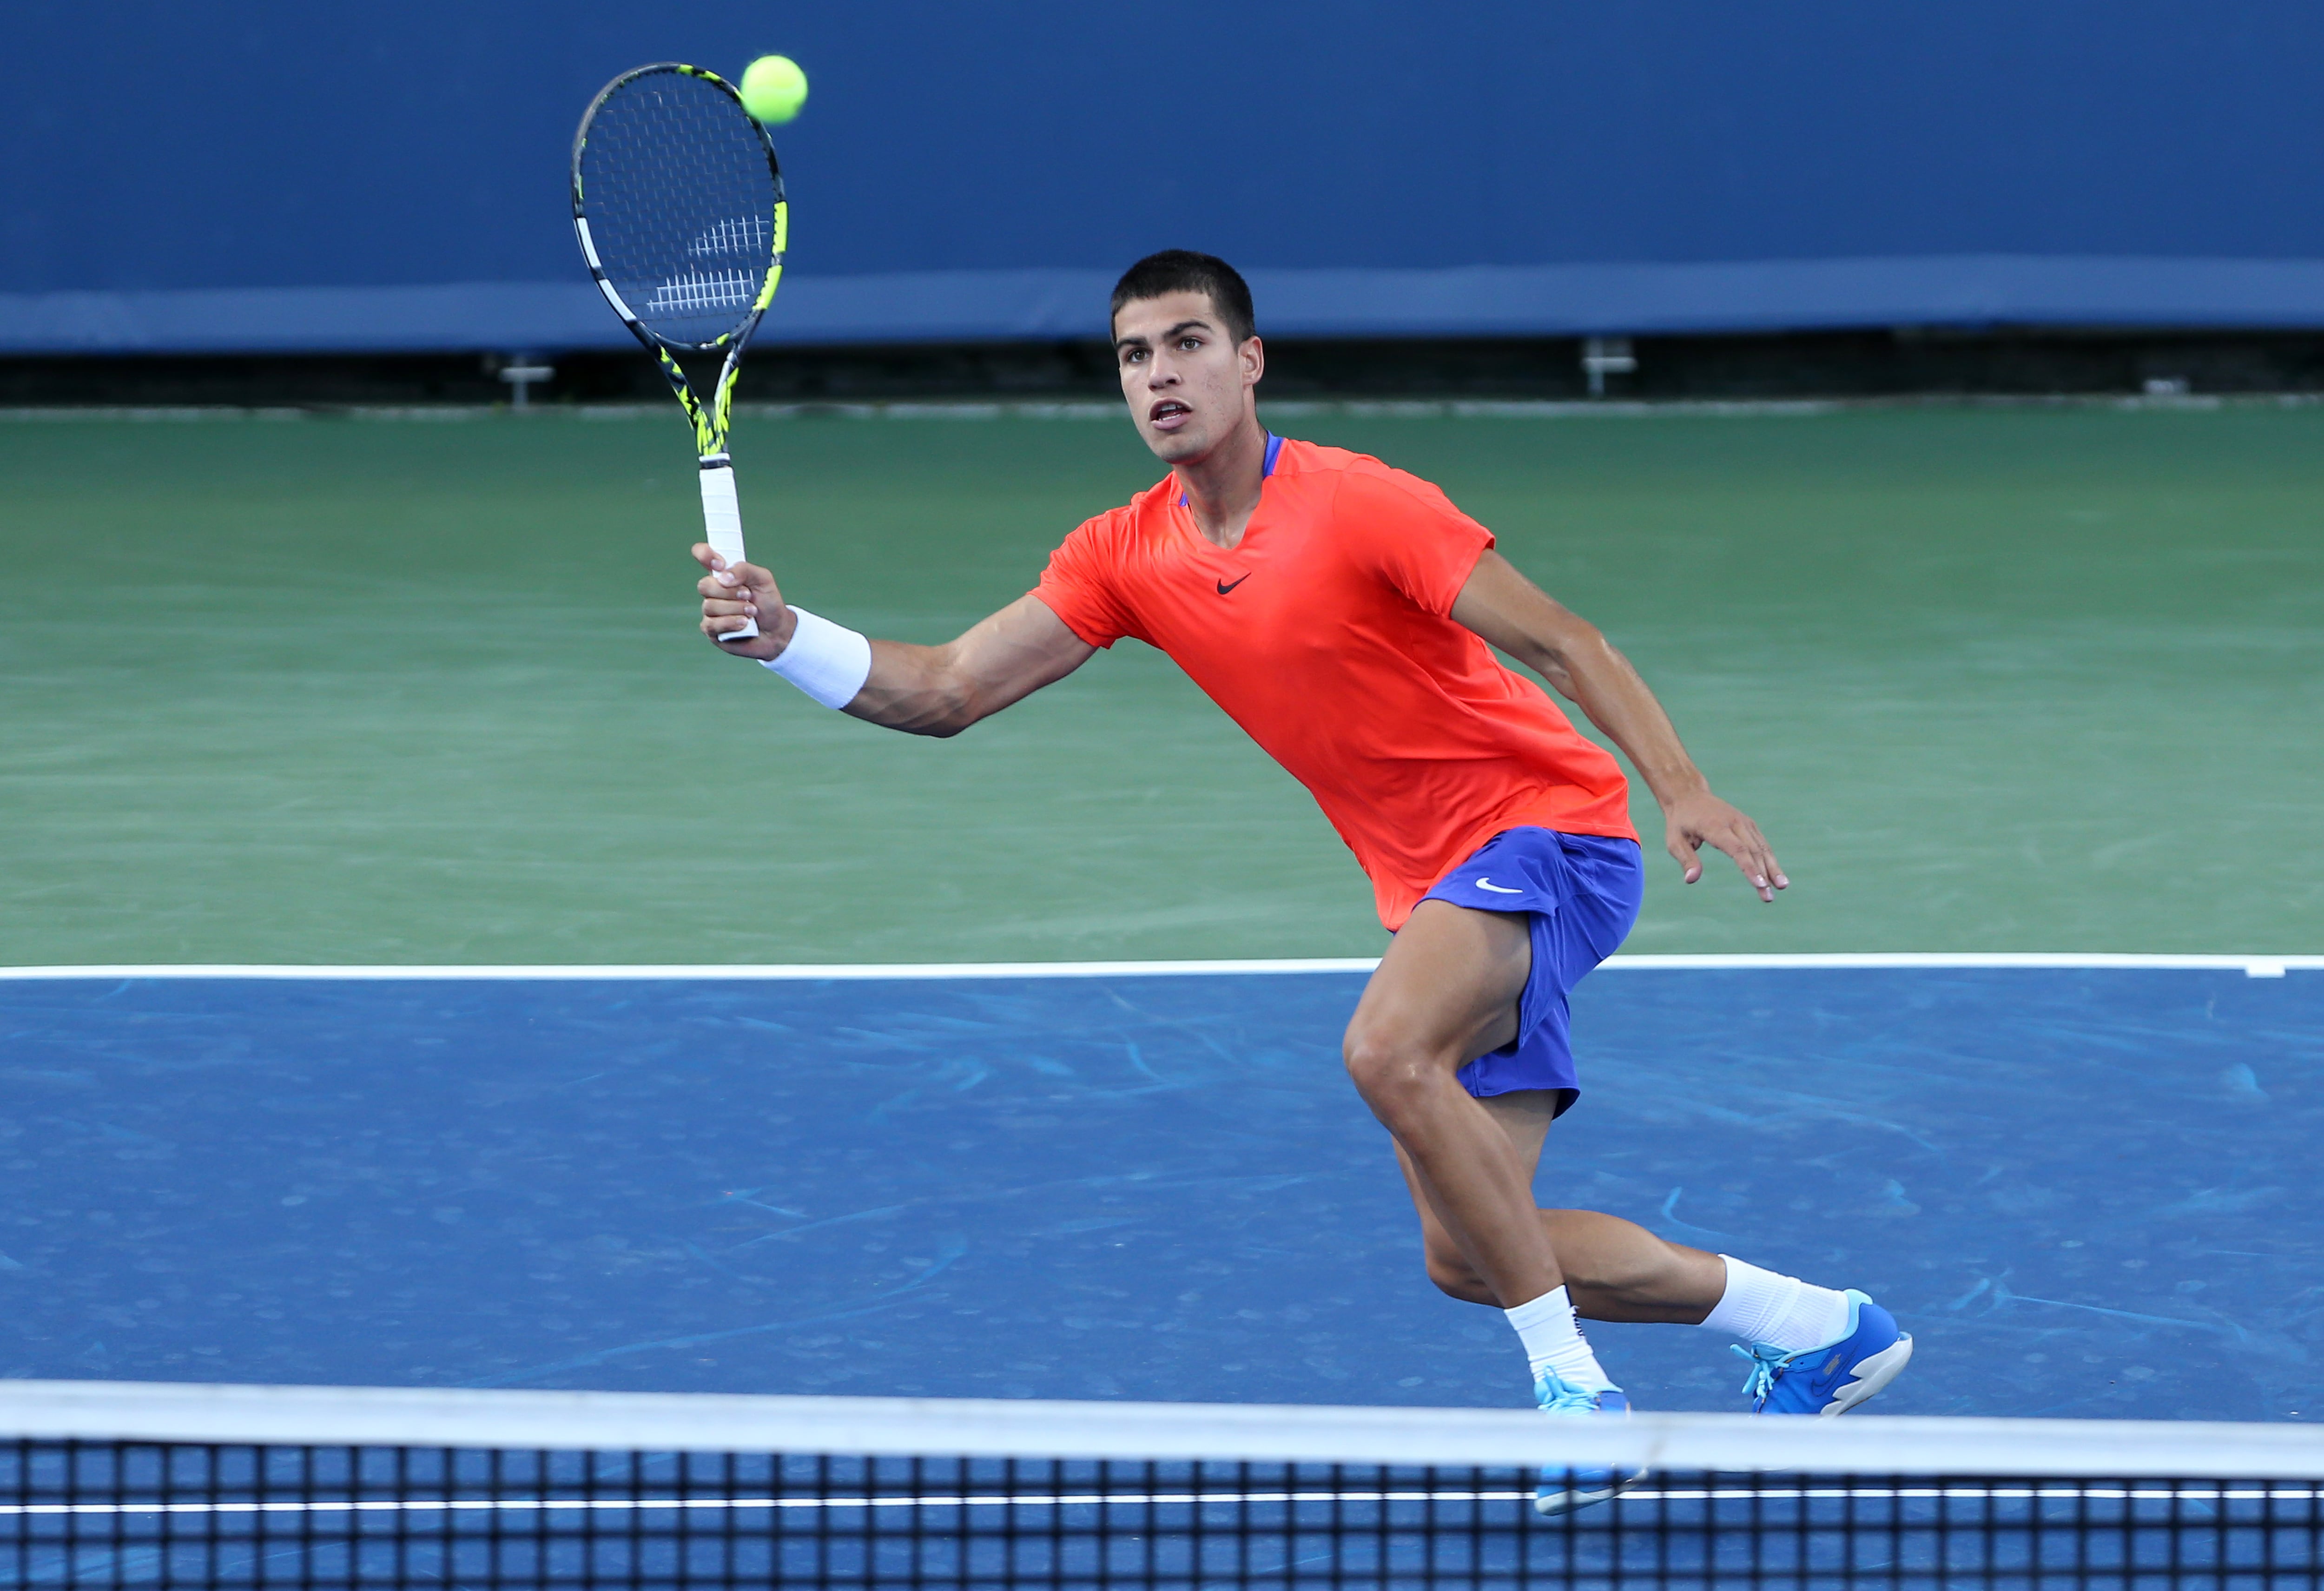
(1835, 1377)
(1562, 1491)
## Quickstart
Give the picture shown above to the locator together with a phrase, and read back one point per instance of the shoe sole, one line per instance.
(1870, 1375)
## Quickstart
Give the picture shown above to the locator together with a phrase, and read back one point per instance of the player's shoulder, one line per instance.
(1359, 481)
(1129, 516)
(1117, 529)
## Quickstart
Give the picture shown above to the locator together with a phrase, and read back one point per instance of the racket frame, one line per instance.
(722, 518)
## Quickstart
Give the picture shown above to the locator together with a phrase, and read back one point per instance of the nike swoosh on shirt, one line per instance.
(1227, 585)
(1497, 890)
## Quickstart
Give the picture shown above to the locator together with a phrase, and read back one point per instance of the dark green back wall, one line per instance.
(358, 691)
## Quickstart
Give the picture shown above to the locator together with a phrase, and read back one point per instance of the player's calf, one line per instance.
(1621, 1271)
(1451, 1273)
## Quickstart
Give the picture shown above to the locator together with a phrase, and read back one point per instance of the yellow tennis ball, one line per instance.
(773, 88)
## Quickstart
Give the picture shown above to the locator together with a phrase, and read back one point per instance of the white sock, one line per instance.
(1553, 1341)
(1782, 1311)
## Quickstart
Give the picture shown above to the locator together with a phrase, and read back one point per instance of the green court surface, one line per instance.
(390, 690)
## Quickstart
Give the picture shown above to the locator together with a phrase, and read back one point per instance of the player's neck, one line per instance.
(1223, 486)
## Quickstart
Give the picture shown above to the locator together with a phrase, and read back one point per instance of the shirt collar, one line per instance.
(1266, 468)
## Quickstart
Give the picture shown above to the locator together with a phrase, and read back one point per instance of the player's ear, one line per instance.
(1253, 354)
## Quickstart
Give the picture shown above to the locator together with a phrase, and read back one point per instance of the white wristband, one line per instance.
(829, 662)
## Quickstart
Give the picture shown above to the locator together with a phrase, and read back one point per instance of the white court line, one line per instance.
(790, 973)
(2250, 965)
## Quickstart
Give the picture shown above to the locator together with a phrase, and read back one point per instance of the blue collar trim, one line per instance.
(1267, 467)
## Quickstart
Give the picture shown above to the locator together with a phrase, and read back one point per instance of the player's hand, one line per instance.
(745, 594)
(1695, 821)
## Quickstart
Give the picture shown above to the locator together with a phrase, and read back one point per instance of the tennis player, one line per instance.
(1345, 614)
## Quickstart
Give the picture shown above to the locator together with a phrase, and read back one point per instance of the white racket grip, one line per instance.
(721, 526)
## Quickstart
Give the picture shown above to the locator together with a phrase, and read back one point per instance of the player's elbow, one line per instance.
(1577, 650)
(966, 703)
(960, 695)
(950, 707)
(923, 692)
(936, 721)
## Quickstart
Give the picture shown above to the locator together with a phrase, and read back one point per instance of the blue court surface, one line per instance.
(2088, 1191)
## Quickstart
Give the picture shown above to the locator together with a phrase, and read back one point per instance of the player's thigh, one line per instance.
(1524, 1116)
(1448, 987)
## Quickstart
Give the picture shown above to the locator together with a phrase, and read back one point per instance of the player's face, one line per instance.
(1188, 382)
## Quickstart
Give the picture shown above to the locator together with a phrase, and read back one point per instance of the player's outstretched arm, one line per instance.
(1513, 613)
(921, 690)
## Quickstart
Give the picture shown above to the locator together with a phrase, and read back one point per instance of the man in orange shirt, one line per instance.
(1345, 614)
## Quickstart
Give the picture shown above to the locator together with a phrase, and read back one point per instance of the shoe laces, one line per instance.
(1767, 1362)
(1557, 1395)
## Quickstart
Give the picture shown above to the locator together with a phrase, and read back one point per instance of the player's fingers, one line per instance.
(727, 584)
(1765, 869)
(1742, 843)
(1682, 847)
(1743, 847)
(722, 577)
(707, 555)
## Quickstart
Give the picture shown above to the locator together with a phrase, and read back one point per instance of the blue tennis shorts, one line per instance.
(1581, 893)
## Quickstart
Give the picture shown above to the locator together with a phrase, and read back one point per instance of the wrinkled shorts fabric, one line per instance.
(1581, 894)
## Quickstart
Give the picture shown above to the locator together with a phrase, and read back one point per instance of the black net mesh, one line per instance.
(233, 1515)
(680, 197)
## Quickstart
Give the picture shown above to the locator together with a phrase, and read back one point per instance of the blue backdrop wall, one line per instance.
(300, 176)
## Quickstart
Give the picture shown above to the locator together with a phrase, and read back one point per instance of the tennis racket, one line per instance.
(679, 205)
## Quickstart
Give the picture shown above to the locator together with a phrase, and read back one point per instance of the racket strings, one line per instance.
(680, 200)
(698, 294)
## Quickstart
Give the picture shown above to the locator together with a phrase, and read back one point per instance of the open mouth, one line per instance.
(1168, 415)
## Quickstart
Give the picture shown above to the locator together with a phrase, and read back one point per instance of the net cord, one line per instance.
(1860, 1445)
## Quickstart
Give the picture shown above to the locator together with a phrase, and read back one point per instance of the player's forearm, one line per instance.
(919, 690)
(1590, 671)
(942, 690)
(1505, 609)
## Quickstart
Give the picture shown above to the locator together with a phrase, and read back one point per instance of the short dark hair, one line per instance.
(1182, 271)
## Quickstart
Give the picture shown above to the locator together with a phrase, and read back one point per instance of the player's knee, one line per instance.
(1385, 1069)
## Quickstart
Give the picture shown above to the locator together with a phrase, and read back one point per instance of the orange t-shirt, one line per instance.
(1327, 635)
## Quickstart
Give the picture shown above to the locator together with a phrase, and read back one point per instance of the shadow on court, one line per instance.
(2087, 1193)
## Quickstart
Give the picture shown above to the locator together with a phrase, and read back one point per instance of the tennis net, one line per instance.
(158, 1484)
